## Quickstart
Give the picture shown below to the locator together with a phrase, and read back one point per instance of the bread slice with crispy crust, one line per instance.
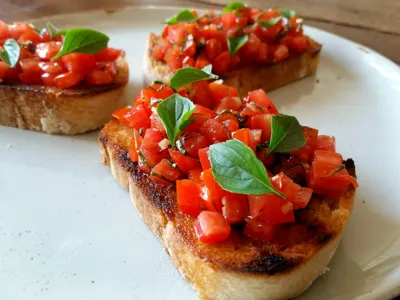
(62, 111)
(266, 77)
(239, 267)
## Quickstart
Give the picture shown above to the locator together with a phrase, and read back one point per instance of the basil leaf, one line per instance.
(10, 53)
(52, 30)
(235, 43)
(286, 134)
(269, 23)
(233, 6)
(181, 17)
(287, 13)
(188, 75)
(174, 113)
(81, 40)
(237, 169)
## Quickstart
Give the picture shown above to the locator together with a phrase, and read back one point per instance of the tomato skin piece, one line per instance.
(325, 142)
(245, 136)
(195, 175)
(108, 54)
(79, 62)
(188, 195)
(260, 98)
(259, 229)
(235, 207)
(120, 114)
(214, 192)
(311, 135)
(67, 80)
(51, 67)
(48, 79)
(229, 103)
(220, 91)
(271, 208)
(329, 157)
(161, 91)
(262, 122)
(211, 227)
(135, 145)
(48, 50)
(194, 141)
(204, 158)
(185, 163)
(165, 173)
(214, 131)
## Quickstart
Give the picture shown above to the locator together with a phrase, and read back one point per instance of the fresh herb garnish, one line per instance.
(287, 13)
(237, 169)
(188, 75)
(52, 30)
(183, 16)
(157, 82)
(286, 134)
(174, 113)
(81, 40)
(233, 6)
(10, 53)
(269, 23)
(236, 42)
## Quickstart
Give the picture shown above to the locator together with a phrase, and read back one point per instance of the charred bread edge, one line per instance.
(267, 77)
(62, 111)
(273, 278)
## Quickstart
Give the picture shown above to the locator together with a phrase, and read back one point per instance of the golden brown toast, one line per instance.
(239, 267)
(266, 77)
(62, 111)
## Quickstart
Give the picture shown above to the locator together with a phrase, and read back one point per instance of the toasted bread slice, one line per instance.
(266, 77)
(239, 267)
(62, 111)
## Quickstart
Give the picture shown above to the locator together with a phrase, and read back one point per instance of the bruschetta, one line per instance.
(248, 48)
(59, 81)
(248, 203)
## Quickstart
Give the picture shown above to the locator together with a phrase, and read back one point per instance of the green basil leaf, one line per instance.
(183, 16)
(82, 40)
(286, 134)
(174, 113)
(52, 30)
(287, 13)
(235, 43)
(269, 23)
(188, 75)
(10, 53)
(233, 6)
(237, 169)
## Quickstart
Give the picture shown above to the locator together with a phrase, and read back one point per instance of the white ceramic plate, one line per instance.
(68, 231)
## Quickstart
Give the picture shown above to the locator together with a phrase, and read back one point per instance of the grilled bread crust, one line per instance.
(266, 77)
(62, 111)
(238, 268)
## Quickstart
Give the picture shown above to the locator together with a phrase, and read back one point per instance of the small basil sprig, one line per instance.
(235, 43)
(287, 13)
(269, 23)
(52, 30)
(10, 53)
(237, 169)
(181, 17)
(174, 113)
(233, 6)
(286, 134)
(187, 75)
(82, 40)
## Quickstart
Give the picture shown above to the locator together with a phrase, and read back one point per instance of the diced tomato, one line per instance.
(138, 118)
(326, 142)
(188, 62)
(48, 78)
(211, 227)
(51, 67)
(18, 28)
(31, 36)
(262, 122)
(231, 125)
(99, 77)
(195, 175)
(213, 48)
(198, 121)
(302, 198)
(68, 79)
(161, 91)
(156, 124)
(214, 131)
(148, 159)
(228, 19)
(271, 208)
(333, 158)
(198, 109)
(48, 50)
(120, 114)
(188, 195)
(202, 61)
(221, 63)
(185, 163)
(220, 91)
(251, 110)
(213, 191)
(267, 160)
(260, 98)
(165, 172)
(108, 54)
(234, 207)
(135, 145)
(79, 62)
(299, 43)
(201, 94)
(4, 30)
(229, 103)
(281, 53)
(311, 135)
(204, 158)
(259, 229)
(151, 140)
(262, 55)
(194, 141)
(189, 48)
(293, 167)
(245, 136)
(30, 65)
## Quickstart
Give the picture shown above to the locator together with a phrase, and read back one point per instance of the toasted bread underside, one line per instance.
(266, 77)
(62, 111)
(238, 268)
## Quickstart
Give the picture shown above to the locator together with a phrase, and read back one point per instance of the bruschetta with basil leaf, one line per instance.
(249, 48)
(58, 81)
(248, 203)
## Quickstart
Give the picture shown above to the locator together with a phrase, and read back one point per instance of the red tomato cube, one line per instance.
(188, 195)
(211, 227)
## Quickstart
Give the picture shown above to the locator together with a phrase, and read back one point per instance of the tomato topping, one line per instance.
(135, 145)
(220, 91)
(188, 195)
(245, 136)
(195, 175)
(262, 122)
(259, 229)
(204, 159)
(229, 103)
(214, 131)
(260, 98)
(211, 227)
(47, 50)
(235, 207)
(67, 80)
(193, 142)
(327, 143)
(165, 172)
(185, 163)
(151, 140)
(333, 158)
(213, 192)
(156, 124)
(271, 208)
